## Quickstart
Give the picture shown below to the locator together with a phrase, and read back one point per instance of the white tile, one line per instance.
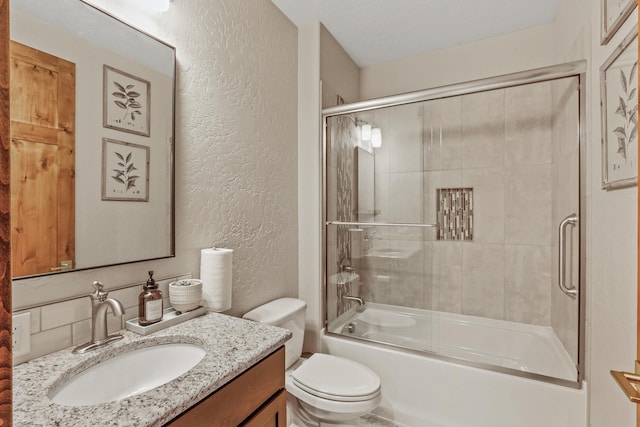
(405, 197)
(483, 130)
(527, 284)
(528, 130)
(447, 276)
(382, 203)
(81, 332)
(564, 94)
(163, 286)
(402, 132)
(381, 158)
(128, 297)
(34, 317)
(483, 280)
(405, 292)
(443, 134)
(565, 187)
(47, 342)
(131, 313)
(378, 288)
(528, 201)
(65, 313)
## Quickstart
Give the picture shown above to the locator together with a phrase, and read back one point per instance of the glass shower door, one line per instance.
(450, 236)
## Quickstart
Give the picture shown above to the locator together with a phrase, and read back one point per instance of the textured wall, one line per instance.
(237, 142)
(236, 149)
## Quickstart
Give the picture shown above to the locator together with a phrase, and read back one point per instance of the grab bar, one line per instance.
(571, 219)
(379, 224)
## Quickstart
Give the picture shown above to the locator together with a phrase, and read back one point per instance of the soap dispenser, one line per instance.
(150, 303)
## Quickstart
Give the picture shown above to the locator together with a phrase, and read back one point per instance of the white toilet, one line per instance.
(323, 390)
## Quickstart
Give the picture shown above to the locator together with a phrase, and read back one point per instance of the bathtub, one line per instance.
(423, 391)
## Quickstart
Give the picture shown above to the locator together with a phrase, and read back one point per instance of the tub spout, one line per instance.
(359, 300)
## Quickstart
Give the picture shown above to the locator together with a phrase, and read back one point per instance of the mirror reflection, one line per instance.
(92, 125)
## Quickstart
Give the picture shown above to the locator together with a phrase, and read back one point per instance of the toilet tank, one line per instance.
(287, 313)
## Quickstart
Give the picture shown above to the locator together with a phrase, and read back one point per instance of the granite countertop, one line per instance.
(233, 345)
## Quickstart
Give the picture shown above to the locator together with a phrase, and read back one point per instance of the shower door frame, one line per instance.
(538, 75)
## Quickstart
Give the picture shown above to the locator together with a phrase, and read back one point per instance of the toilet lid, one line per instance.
(336, 378)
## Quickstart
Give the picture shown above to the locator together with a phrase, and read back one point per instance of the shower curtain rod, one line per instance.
(380, 224)
(507, 80)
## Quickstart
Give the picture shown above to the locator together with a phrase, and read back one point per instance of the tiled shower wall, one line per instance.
(501, 143)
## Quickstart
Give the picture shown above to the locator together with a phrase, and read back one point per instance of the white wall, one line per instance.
(309, 182)
(339, 74)
(236, 150)
(521, 50)
(612, 260)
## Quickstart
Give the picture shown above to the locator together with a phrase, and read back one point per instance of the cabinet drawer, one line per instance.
(237, 400)
(273, 414)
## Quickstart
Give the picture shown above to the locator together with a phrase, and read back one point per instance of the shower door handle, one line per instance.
(571, 219)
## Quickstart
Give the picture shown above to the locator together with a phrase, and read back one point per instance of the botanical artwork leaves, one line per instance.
(626, 130)
(619, 110)
(126, 102)
(127, 99)
(124, 173)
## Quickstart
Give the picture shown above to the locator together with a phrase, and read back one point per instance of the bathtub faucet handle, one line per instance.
(345, 266)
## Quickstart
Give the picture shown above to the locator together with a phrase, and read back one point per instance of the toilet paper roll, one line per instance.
(215, 273)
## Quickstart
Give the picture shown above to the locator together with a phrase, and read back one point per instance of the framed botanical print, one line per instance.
(125, 171)
(619, 114)
(613, 13)
(126, 102)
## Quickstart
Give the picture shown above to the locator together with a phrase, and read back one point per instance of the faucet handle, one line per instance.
(99, 294)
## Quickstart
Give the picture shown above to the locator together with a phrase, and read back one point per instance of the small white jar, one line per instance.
(185, 295)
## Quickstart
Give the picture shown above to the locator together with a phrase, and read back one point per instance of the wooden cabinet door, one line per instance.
(42, 97)
(234, 403)
(274, 414)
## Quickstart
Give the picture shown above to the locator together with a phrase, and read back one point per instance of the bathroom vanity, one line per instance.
(240, 380)
(256, 398)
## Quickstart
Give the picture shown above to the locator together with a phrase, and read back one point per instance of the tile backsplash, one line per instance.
(64, 324)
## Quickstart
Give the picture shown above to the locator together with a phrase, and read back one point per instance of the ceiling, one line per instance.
(374, 31)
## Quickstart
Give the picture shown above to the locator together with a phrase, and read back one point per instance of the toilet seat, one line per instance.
(337, 379)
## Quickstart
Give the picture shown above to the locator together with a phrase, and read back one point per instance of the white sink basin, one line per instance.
(128, 374)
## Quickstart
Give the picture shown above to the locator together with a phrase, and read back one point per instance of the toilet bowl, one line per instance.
(324, 390)
(334, 389)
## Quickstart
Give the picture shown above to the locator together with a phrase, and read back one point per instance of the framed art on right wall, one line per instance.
(619, 114)
(612, 15)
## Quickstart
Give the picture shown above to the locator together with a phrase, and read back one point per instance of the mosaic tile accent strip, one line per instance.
(343, 137)
(455, 213)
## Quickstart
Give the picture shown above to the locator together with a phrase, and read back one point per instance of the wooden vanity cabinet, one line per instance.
(254, 399)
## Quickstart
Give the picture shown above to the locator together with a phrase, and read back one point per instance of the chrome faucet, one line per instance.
(99, 305)
(359, 300)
